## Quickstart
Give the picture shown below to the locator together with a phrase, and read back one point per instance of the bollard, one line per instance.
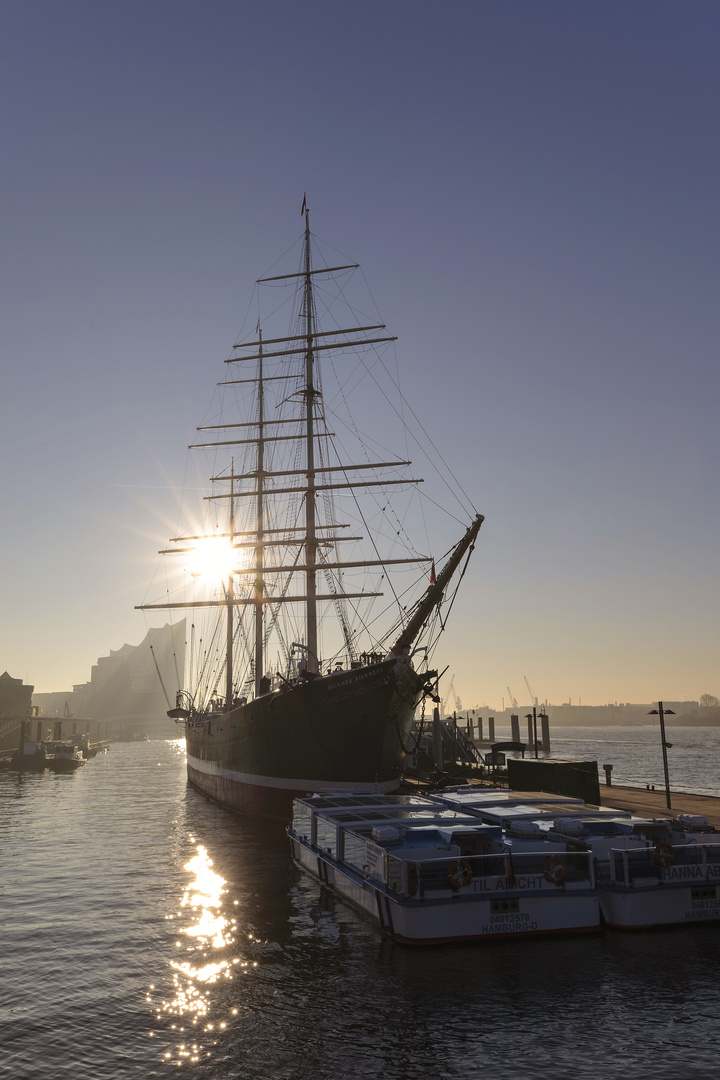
(608, 778)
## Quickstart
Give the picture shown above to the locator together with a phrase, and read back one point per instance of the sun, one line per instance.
(213, 559)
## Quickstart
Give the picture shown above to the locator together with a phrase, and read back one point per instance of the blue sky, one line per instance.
(531, 190)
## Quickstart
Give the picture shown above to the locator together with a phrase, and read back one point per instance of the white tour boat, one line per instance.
(429, 874)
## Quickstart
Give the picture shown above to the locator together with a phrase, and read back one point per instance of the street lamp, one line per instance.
(662, 713)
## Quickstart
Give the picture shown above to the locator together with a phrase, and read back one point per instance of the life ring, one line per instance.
(460, 874)
(554, 869)
(663, 854)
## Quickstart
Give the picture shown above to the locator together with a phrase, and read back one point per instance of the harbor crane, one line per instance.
(513, 701)
(453, 697)
(533, 699)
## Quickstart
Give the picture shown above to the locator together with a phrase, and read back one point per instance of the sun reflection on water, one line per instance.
(210, 936)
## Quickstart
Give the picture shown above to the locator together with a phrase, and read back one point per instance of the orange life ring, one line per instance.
(554, 869)
(663, 854)
(460, 874)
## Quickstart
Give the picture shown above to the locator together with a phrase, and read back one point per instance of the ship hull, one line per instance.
(347, 731)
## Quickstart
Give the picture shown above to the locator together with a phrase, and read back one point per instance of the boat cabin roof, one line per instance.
(504, 815)
(358, 800)
(477, 796)
(406, 815)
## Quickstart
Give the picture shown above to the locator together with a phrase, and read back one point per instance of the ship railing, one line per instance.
(486, 875)
(665, 864)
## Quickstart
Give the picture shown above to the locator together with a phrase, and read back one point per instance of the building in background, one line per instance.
(134, 684)
(15, 697)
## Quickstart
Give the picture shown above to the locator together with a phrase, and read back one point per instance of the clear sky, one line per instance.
(531, 189)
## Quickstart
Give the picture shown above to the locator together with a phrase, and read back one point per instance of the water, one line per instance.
(146, 932)
(636, 755)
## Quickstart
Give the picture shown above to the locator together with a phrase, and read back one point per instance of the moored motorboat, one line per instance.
(64, 757)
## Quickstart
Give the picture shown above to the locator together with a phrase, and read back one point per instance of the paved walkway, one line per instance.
(654, 804)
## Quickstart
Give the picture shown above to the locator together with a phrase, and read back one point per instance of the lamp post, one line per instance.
(662, 713)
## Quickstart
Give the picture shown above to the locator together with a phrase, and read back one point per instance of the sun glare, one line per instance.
(212, 559)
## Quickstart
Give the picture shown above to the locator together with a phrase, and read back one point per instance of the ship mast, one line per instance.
(230, 601)
(310, 537)
(259, 550)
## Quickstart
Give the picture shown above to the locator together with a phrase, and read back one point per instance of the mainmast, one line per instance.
(310, 537)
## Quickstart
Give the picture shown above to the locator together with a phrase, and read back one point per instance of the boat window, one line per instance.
(355, 850)
(327, 835)
(394, 870)
(302, 820)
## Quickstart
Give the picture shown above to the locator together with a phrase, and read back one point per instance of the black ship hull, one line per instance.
(349, 730)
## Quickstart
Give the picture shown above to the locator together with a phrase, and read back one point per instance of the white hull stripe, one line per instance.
(298, 784)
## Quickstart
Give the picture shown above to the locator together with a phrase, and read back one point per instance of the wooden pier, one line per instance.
(646, 803)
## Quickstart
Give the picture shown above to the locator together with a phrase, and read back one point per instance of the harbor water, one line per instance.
(636, 755)
(146, 932)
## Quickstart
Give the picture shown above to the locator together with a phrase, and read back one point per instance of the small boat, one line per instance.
(428, 874)
(64, 756)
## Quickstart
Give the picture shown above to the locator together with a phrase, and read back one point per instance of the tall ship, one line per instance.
(312, 618)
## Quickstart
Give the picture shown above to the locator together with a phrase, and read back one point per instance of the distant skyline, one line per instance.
(531, 191)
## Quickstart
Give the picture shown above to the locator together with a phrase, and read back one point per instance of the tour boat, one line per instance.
(428, 874)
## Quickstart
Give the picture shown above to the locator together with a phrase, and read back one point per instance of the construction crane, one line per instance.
(513, 702)
(533, 699)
